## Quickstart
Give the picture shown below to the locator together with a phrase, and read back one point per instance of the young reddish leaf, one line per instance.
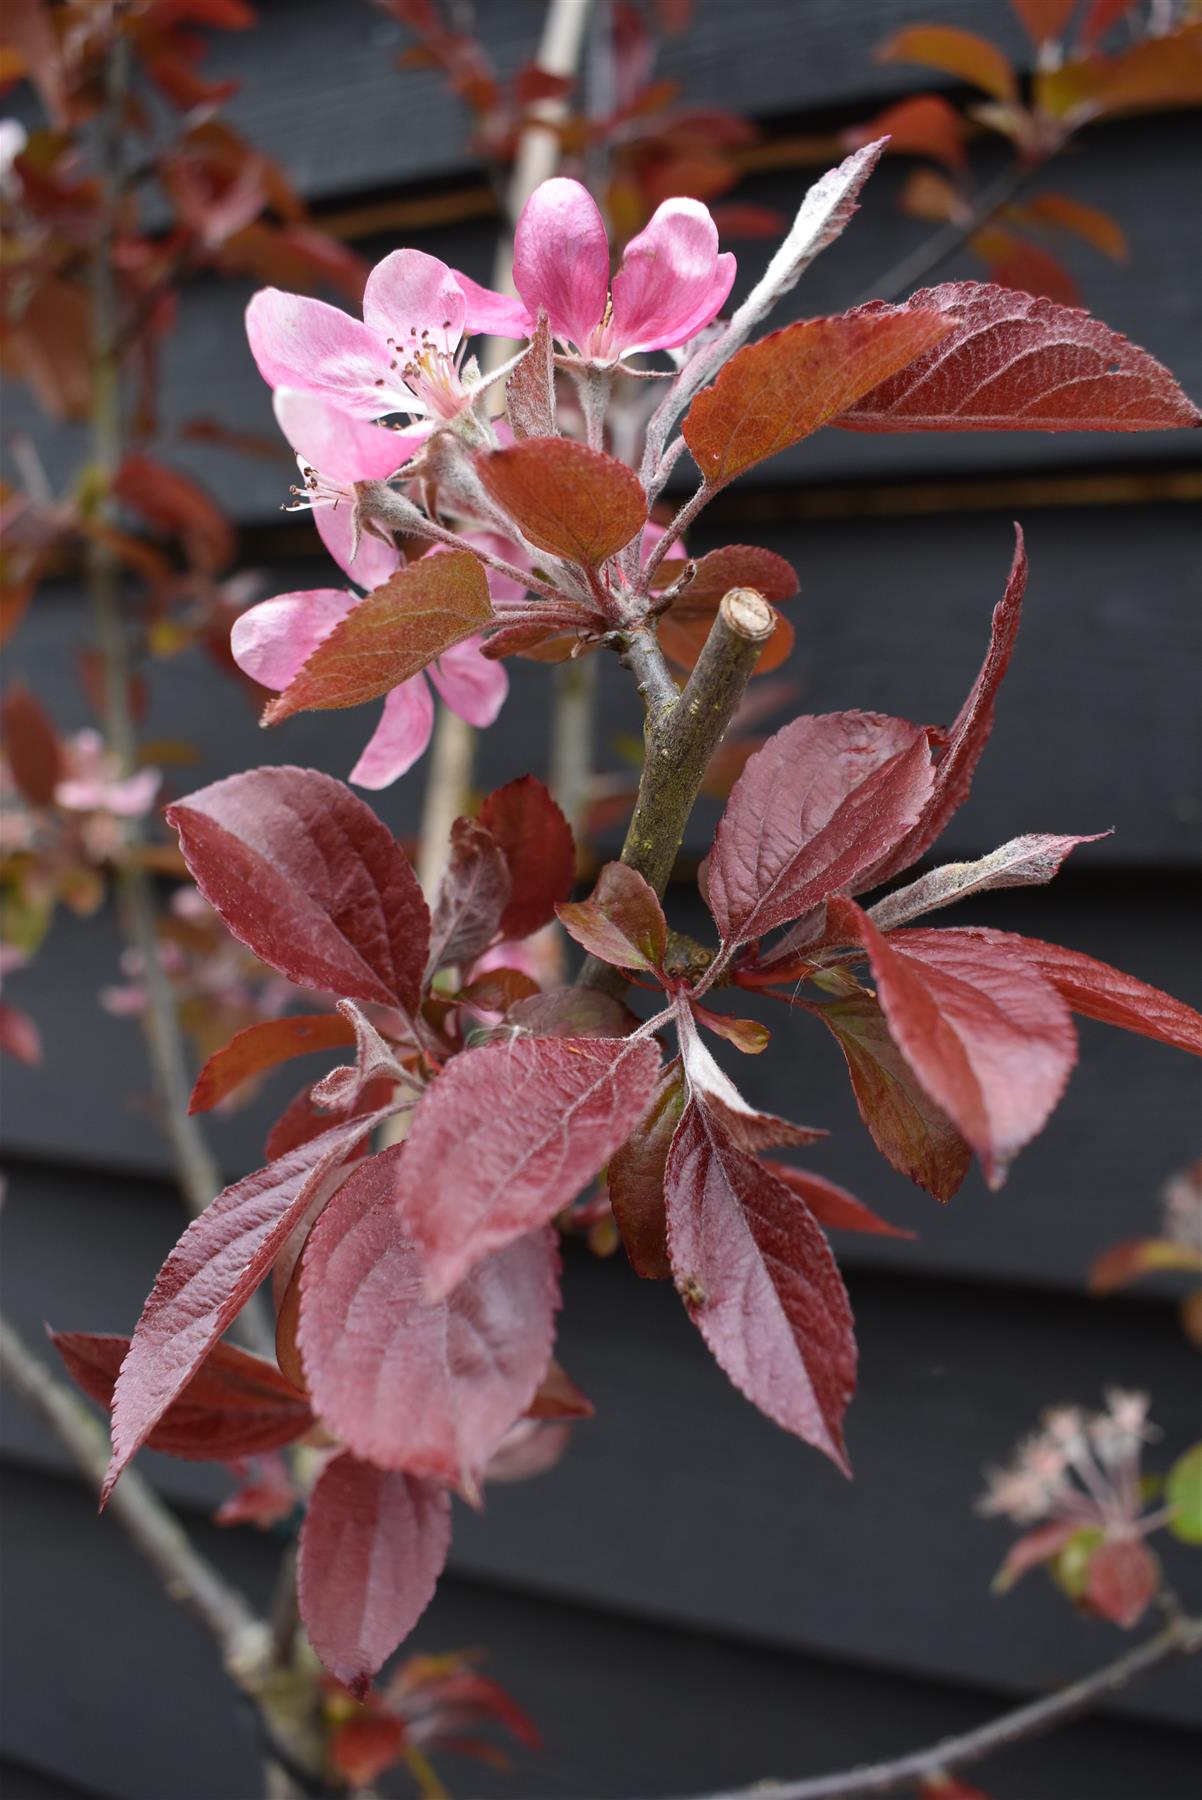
(960, 53)
(775, 392)
(1101, 16)
(234, 1405)
(498, 989)
(920, 125)
(1127, 1261)
(1046, 21)
(362, 1748)
(406, 1384)
(208, 1278)
(303, 872)
(1065, 213)
(31, 746)
(507, 1135)
(760, 1283)
(904, 1123)
(529, 1448)
(303, 1119)
(1121, 1581)
(343, 1088)
(422, 610)
(174, 503)
(264, 1046)
(833, 1207)
(558, 1397)
(1099, 992)
(1012, 261)
(621, 922)
(1030, 861)
(530, 390)
(968, 735)
(265, 1495)
(537, 842)
(1032, 1549)
(990, 1041)
(824, 800)
(372, 1547)
(734, 565)
(747, 1035)
(713, 1090)
(19, 1035)
(1015, 363)
(472, 897)
(567, 499)
(635, 1178)
(571, 1012)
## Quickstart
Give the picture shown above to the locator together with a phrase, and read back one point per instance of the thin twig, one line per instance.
(1181, 1637)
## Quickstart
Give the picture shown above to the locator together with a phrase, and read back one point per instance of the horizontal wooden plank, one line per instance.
(1139, 171)
(626, 1707)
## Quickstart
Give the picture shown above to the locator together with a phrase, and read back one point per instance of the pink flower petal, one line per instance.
(272, 640)
(303, 343)
(472, 685)
(375, 560)
(400, 737)
(501, 587)
(500, 315)
(672, 280)
(343, 448)
(409, 294)
(561, 259)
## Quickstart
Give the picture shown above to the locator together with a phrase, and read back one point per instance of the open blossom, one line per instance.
(1181, 1198)
(671, 283)
(91, 782)
(406, 355)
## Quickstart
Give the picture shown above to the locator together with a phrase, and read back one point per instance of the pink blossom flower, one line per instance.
(404, 356)
(271, 641)
(92, 783)
(1081, 1469)
(672, 280)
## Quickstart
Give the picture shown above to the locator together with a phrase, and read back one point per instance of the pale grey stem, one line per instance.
(572, 730)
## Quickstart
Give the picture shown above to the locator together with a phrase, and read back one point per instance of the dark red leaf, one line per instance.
(1015, 363)
(174, 503)
(362, 1748)
(991, 1041)
(970, 733)
(622, 921)
(530, 390)
(19, 1035)
(422, 610)
(1032, 1549)
(538, 846)
(1099, 992)
(302, 1119)
(558, 1397)
(920, 125)
(303, 872)
(208, 1278)
(775, 392)
(264, 1046)
(31, 746)
(508, 1135)
(406, 1384)
(734, 565)
(824, 800)
(572, 1012)
(760, 1283)
(568, 500)
(1121, 1581)
(906, 1126)
(234, 1405)
(833, 1207)
(473, 895)
(372, 1547)
(635, 1178)
(963, 54)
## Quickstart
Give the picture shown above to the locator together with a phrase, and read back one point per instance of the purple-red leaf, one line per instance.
(406, 1384)
(264, 1046)
(1121, 1580)
(303, 872)
(970, 732)
(510, 1133)
(621, 922)
(635, 1178)
(824, 799)
(1029, 861)
(537, 844)
(208, 1278)
(906, 1126)
(234, 1405)
(734, 565)
(760, 1283)
(989, 1039)
(833, 1207)
(775, 392)
(31, 746)
(372, 1547)
(571, 1012)
(567, 499)
(425, 608)
(1015, 363)
(472, 897)
(1099, 992)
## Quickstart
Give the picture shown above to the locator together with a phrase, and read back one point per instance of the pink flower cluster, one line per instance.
(1083, 1468)
(335, 377)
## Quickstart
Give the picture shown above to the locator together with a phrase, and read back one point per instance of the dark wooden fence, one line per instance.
(692, 1598)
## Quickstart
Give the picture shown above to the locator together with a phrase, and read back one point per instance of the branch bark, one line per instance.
(682, 732)
(1182, 1636)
